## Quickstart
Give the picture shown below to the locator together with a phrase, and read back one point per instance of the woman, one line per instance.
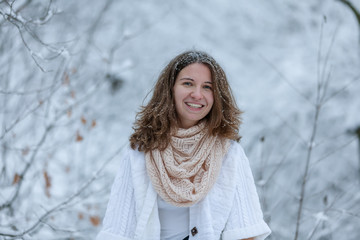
(185, 176)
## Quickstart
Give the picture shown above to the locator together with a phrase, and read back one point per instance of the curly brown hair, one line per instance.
(158, 119)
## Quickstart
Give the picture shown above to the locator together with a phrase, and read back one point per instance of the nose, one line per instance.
(196, 93)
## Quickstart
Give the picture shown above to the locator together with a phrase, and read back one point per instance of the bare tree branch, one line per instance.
(28, 92)
(92, 30)
(14, 17)
(334, 94)
(279, 165)
(335, 150)
(286, 80)
(354, 10)
(27, 113)
(306, 171)
(292, 129)
(11, 200)
(63, 204)
(322, 85)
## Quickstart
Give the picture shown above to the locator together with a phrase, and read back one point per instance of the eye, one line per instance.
(187, 83)
(207, 87)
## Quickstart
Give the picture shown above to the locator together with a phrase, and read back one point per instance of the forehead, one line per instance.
(198, 70)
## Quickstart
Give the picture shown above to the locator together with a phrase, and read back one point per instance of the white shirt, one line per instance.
(174, 221)
(230, 211)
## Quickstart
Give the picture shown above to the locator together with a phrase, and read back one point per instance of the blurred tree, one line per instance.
(354, 11)
(356, 132)
(50, 85)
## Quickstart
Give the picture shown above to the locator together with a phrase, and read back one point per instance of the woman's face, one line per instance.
(193, 94)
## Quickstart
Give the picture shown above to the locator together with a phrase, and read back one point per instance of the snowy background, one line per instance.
(74, 73)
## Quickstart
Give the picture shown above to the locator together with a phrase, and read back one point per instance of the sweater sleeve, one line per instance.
(246, 218)
(120, 218)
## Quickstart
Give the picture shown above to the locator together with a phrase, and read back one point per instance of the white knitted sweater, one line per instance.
(230, 211)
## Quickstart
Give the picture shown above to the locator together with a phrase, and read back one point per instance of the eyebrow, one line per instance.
(189, 78)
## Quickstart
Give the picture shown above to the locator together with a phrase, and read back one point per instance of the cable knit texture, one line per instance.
(186, 170)
(121, 201)
(244, 220)
(230, 211)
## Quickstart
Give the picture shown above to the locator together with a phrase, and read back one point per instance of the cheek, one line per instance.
(180, 93)
(210, 99)
(177, 96)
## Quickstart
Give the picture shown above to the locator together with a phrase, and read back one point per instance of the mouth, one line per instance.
(194, 105)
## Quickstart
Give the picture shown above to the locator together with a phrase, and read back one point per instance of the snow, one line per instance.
(273, 53)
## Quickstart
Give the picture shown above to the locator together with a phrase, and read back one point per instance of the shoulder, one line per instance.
(129, 154)
(134, 161)
(237, 159)
(231, 163)
(236, 146)
(128, 158)
(235, 152)
(135, 156)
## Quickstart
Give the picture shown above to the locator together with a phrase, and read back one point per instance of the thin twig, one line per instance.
(341, 89)
(287, 81)
(9, 202)
(323, 81)
(28, 113)
(92, 30)
(61, 205)
(291, 128)
(322, 85)
(21, 23)
(312, 233)
(29, 92)
(333, 151)
(306, 171)
(279, 165)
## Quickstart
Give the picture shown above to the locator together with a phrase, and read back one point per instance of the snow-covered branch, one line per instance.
(43, 218)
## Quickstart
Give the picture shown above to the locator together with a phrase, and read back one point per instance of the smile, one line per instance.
(194, 105)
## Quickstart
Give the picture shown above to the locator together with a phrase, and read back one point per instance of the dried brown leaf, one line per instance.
(95, 220)
(66, 79)
(16, 178)
(93, 123)
(83, 120)
(72, 94)
(80, 215)
(47, 183)
(25, 151)
(79, 138)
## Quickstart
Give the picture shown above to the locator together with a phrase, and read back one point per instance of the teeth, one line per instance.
(194, 105)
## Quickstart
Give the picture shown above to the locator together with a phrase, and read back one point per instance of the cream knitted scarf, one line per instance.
(185, 171)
